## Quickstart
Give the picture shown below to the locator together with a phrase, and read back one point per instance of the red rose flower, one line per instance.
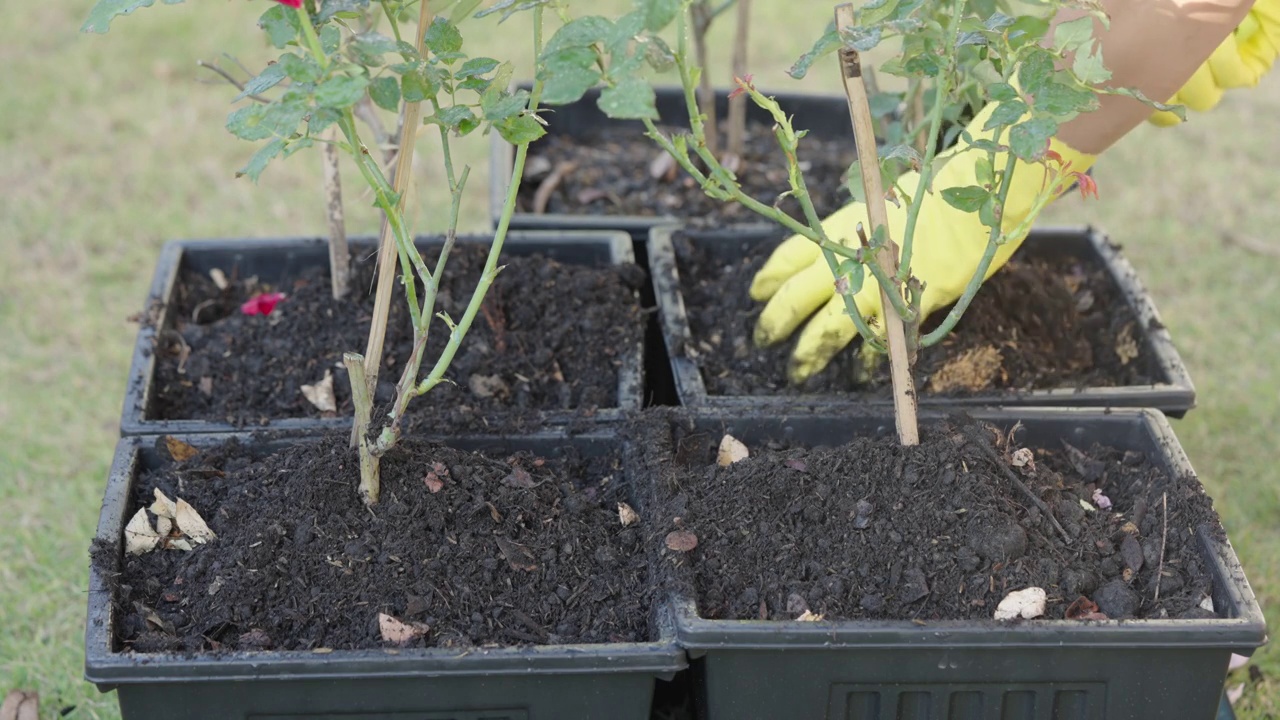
(291, 3)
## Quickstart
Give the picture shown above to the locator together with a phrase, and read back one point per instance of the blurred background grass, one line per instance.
(110, 145)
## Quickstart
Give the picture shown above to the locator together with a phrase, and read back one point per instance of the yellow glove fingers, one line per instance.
(794, 254)
(830, 331)
(1201, 92)
(1229, 71)
(794, 302)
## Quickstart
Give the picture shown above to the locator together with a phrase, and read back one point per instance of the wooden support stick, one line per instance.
(904, 393)
(386, 244)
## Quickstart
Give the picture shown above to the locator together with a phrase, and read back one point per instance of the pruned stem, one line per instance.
(370, 478)
(339, 257)
(738, 105)
(904, 394)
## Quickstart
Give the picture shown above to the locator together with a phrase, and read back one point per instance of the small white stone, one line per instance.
(1027, 604)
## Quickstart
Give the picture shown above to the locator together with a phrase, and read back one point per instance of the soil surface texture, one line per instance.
(464, 550)
(550, 336)
(1038, 323)
(870, 530)
(621, 172)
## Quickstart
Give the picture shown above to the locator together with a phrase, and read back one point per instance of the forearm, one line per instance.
(1154, 46)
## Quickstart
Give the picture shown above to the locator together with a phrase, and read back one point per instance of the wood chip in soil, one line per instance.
(871, 530)
(300, 563)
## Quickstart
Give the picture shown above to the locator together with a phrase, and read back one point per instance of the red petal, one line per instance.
(1053, 155)
(291, 3)
(261, 304)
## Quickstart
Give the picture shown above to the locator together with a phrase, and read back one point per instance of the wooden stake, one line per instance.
(386, 244)
(904, 393)
(339, 258)
(702, 16)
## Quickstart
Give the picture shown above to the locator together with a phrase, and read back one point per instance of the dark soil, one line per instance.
(512, 550)
(1038, 323)
(937, 532)
(612, 176)
(550, 336)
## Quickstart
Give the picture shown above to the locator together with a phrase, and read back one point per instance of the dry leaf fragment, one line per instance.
(163, 507)
(191, 524)
(488, 386)
(1101, 500)
(809, 616)
(1028, 603)
(517, 555)
(681, 541)
(321, 394)
(1235, 692)
(1126, 346)
(433, 482)
(219, 278)
(179, 450)
(399, 632)
(206, 386)
(972, 370)
(20, 705)
(139, 536)
(519, 478)
(1023, 457)
(627, 515)
(796, 464)
(1084, 609)
(731, 451)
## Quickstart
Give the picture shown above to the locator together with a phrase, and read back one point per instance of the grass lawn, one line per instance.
(111, 145)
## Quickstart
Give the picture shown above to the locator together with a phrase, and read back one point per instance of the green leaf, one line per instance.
(299, 69)
(1005, 114)
(1060, 100)
(991, 212)
(1030, 139)
(983, 171)
(659, 55)
(1089, 69)
(966, 199)
(853, 183)
(582, 32)
(259, 161)
(855, 272)
(418, 85)
(631, 99)
(475, 67)
(458, 118)
(658, 13)
(568, 74)
(1036, 71)
(267, 79)
(1026, 30)
(876, 11)
(442, 37)
(1002, 91)
(463, 10)
(281, 24)
(258, 122)
(330, 39)
(511, 7)
(520, 129)
(500, 106)
(1179, 110)
(296, 145)
(105, 10)
(318, 120)
(346, 8)
(825, 45)
(368, 48)
(385, 93)
(341, 91)
(1073, 34)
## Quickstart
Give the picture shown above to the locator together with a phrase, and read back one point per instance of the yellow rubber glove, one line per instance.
(1240, 61)
(948, 247)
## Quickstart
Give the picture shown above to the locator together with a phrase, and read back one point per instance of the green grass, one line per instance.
(111, 145)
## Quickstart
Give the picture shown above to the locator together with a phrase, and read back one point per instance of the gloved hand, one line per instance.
(1240, 61)
(948, 246)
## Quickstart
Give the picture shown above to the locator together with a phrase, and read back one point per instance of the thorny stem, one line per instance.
(943, 88)
(339, 262)
(370, 479)
(702, 15)
(313, 40)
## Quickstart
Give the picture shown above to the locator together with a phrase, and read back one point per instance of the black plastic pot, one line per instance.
(822, 115)
(274, 259)
(1031, 670)
(566, 681)
(1173, 394)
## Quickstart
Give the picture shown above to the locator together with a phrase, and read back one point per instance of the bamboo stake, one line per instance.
(386, 245)
(339, 258)
(904, 394)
